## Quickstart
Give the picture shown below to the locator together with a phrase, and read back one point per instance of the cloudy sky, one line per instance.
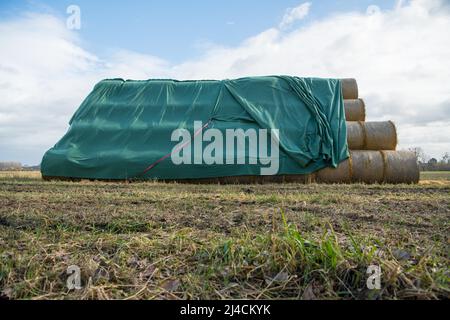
(399, 51)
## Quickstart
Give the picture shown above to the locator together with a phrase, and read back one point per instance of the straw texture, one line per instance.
(401, 167)
(355, 110)
(379, 135)
(349, 88)
(383, 166)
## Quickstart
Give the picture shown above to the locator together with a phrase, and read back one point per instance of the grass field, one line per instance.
(171, 241)
(435, 175)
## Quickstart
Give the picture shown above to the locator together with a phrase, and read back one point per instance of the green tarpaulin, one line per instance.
(128, 129)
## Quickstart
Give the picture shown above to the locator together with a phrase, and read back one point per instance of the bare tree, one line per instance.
(446, 158)
(420, 154)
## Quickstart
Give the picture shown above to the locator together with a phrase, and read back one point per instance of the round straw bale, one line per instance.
(379, 135)
(355, 135)
(349, 88)
(367, 166)
(355, 110)
(341, 174)
(401, 167)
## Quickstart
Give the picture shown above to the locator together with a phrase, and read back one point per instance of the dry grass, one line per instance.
(175, 241)
(20, 175)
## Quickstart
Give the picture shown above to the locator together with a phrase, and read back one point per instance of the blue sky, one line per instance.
(177, 30)
(394, 49)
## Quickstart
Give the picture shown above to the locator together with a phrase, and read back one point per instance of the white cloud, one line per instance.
(40, 65)
(399, 57)
(294, 14)
(44, 76)
(398, 4)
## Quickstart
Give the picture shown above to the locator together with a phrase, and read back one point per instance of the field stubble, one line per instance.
(176, 241)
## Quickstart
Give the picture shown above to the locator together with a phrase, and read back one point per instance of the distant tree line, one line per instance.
(427, 163)
(15, 166)
(10, 165)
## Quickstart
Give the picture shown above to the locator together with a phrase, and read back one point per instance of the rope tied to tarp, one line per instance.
(196, 133)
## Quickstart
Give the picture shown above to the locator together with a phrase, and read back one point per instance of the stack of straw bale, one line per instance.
(373, 158)
(372, 148)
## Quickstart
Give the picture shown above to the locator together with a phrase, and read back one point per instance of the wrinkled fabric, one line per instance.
(123, 127)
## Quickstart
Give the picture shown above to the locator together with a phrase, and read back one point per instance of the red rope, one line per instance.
(180, 147)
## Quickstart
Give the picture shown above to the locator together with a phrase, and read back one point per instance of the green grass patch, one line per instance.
(435, 175)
